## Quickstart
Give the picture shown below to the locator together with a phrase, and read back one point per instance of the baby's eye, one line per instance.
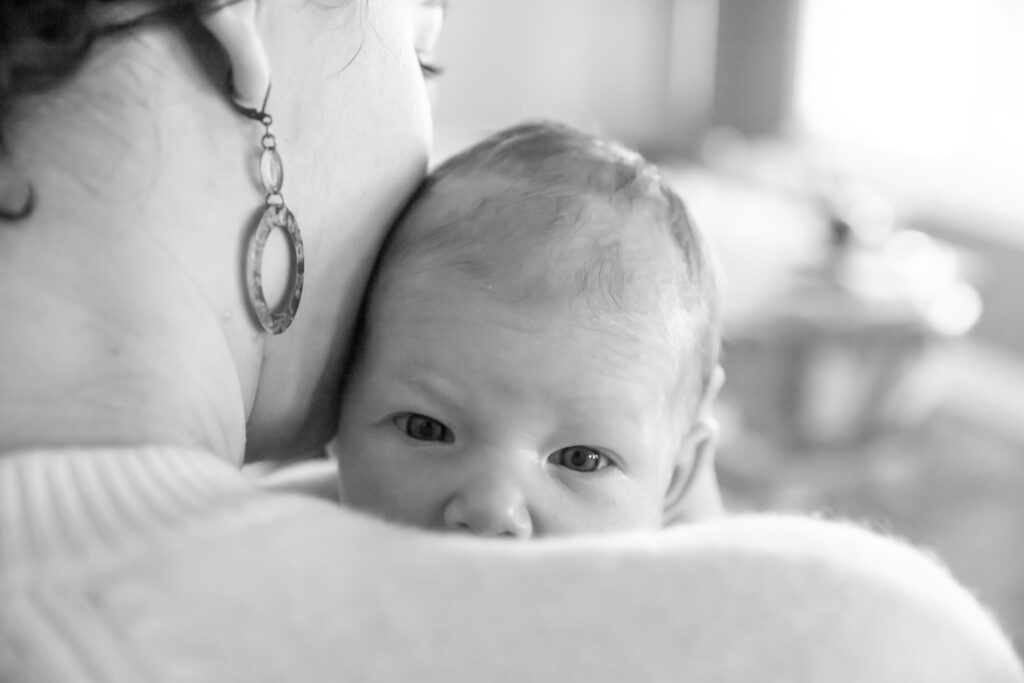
(423, 428)
(580, 459)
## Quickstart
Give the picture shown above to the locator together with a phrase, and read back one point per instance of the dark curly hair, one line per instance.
(42, 42)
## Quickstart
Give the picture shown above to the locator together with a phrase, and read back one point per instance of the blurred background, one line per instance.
(859, 166)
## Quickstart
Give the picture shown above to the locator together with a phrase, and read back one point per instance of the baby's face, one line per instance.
(464, 414)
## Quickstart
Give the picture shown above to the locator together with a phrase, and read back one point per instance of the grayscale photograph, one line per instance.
(512, 341)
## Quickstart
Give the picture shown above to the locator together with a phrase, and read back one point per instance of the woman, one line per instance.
(145, 199)
(142, 364)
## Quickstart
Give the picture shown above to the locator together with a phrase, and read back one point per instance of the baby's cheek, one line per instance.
(615, 512)
(389, 483)
(359, 469)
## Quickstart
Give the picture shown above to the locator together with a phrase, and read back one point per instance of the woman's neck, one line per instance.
(124, 320)
(95, 352)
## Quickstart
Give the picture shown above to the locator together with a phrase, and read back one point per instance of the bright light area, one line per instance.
(932, 90)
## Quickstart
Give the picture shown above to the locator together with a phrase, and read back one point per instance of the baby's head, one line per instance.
(539, 348)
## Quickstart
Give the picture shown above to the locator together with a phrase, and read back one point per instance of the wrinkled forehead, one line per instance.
(658, 340)
(610, 264)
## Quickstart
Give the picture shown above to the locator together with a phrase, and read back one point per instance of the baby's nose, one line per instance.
(489, 507)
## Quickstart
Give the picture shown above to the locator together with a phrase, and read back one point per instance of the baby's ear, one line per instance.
(693, 492)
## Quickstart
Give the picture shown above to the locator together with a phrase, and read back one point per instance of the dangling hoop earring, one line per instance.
(276, 215)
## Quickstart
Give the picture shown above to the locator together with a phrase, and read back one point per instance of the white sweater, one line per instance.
(162, 564)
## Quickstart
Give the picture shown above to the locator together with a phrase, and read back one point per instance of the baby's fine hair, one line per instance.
(542, 212)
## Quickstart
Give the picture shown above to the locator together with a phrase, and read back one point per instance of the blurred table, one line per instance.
(946, 486)
(951, 482)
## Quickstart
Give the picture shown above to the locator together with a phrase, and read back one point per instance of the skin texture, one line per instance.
(153, 186)
(125, 324)
(501, 390)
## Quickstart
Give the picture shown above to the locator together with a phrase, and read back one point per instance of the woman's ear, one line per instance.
(693, 492)
(233, 24)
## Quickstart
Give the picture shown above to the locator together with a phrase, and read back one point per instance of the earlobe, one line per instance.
(233, 24)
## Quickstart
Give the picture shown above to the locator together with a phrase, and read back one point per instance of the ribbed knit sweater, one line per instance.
(162, 564)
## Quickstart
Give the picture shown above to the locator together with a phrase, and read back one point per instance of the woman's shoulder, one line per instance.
(161, 563)
(315, 476)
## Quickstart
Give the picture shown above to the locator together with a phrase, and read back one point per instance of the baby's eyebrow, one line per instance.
(436, 387)
(590, 408)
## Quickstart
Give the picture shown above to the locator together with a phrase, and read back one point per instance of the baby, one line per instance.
(539, 351)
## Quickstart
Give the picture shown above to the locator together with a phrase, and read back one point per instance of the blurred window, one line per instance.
(930, 92)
